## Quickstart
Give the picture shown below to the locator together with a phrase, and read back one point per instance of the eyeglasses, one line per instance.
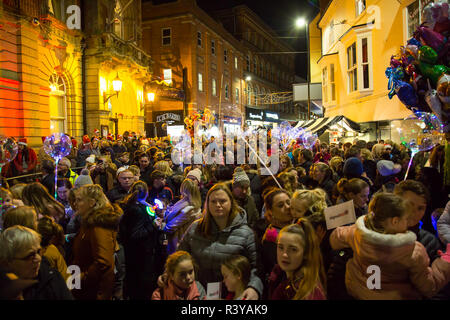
(30, 256)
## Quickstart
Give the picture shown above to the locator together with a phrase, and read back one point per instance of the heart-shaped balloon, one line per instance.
(58, 146)
(8, 150)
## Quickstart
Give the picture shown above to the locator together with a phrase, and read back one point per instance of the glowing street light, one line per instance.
(300, 22)
(151, 96)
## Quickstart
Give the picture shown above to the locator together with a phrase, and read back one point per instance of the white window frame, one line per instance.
(352, 69)
(325, 84)
(199, 39)
(166, 37)
(359, 48)
(214, 87)
(213, 47)
(332, 82)
(200, 81)
(59, 91)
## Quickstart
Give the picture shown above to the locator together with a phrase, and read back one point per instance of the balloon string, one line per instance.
(262, 162)
(409, 165)
(56, 176)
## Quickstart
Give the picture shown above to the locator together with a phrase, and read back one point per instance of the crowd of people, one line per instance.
(137, 226)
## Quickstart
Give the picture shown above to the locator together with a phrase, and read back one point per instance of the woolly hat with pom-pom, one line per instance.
(83, 179)
(239, 176)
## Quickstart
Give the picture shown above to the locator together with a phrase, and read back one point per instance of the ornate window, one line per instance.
(58, 104)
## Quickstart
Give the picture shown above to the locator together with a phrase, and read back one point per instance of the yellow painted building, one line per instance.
(358, 38)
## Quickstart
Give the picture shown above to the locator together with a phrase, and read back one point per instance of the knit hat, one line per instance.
(353, 167)
(388, 168)
(86, 139)
(91, 159)
(196, 173)
(65, 162)
(74, 143)
(23, 141)
(387, 146)
(83, 179)
(239, 176)
(11, 286)
(96, 131)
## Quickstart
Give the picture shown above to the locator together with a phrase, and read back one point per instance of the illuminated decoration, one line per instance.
(273, 98)
(8, 151)
(151, 210)
(57, 146)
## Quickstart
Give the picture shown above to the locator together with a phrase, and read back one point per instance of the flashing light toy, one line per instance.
(151, 210)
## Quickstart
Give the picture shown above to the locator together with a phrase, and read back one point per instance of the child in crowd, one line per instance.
(236, 272)
(381, 239)
(181, 283)
(299, 273)
(307, 202)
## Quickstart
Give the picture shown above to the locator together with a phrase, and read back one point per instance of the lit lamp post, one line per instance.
(300, 23)
(117, 87)
(151, 99)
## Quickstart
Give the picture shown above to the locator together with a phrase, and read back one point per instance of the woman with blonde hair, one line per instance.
(95, 244)
(180, 216)
(307, 202)
(23, 216)
(36, 196)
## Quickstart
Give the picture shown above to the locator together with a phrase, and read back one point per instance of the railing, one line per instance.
(36, 174)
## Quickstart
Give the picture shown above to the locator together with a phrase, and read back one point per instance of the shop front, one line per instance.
(167, 123)
(261, 118)
(232, 124)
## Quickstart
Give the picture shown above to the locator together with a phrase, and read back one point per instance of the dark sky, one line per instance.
(280, 15)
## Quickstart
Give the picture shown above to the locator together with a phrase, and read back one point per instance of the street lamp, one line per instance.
(300, 23)
(117, 86)
(151, 96)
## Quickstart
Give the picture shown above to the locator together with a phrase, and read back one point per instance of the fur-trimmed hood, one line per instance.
(375, 246)
(107, 217)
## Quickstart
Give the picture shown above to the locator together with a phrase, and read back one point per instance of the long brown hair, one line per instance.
(37, 196)
(312, 265)
(384, 206)
(204, 226)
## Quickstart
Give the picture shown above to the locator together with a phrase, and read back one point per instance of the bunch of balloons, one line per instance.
(57, 146)
(204, 118)
(287, 135)
(8, 151)
(419, 76)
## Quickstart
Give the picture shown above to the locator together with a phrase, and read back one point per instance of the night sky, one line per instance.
(280, 15)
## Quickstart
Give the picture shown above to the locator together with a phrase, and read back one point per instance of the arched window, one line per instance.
(255, 65)
(58, 104)
(256, 96)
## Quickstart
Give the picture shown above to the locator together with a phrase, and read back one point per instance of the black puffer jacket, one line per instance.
(51, 285)
(237, 238)
(255, 187)
(429, 241)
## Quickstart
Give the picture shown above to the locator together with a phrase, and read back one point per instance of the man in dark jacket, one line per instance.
(418, 196)
(146, 168)
(48, 175)
(305, 158)
(240, 187)
(125, 178)
(50, 285)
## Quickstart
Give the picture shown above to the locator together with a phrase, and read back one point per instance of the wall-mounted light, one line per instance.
(117, 86)
(151, 96)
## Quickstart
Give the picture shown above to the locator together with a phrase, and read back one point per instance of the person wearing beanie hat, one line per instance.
(353, 168)
(240, 188)
(195, 175)
(26, 160)
(64, 170)
(84, 151)
(386, 179)
(83, 179)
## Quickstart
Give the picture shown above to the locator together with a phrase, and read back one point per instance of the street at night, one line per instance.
(224, 150)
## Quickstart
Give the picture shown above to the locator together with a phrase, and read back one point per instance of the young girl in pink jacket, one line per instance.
(181, 284)
(388, 263)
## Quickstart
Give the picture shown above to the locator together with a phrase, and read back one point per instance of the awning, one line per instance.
(319, 126)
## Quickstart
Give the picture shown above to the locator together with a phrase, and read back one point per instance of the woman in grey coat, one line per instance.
(221, 233)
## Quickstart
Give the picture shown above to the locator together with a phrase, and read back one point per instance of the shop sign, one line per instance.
(273, 116)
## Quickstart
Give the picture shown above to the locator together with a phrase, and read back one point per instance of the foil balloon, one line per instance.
(427, 55)
(443, 88)
(434, 103)
(395, 63)
(406, 94)
(431, 38)
(58, 146)
(8, 150)
(413, 50)
(433, 72)
(414, 42)
(393, 74)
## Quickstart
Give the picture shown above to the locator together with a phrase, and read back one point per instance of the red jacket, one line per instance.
(32, 161)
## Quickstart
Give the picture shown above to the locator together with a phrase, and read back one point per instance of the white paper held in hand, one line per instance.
(339, 215)
(213, 291)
